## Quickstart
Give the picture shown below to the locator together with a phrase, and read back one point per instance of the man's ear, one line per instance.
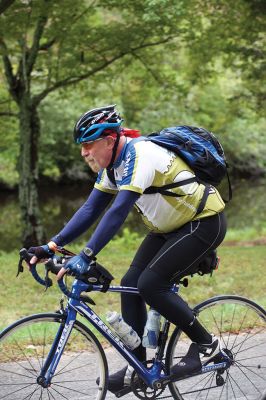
(110, 141)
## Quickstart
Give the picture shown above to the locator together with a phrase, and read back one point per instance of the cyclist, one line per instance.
(178, 240)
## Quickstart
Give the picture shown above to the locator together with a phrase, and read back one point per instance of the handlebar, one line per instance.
(53, 265)
(24, 255)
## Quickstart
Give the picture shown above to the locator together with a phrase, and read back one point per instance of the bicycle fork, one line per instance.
(56, 351)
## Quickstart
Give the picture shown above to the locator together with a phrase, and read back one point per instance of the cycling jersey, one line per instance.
(143, 164)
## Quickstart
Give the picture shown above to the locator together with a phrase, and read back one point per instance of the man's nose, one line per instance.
(85, 151)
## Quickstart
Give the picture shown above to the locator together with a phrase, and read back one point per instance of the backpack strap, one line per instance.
(164, 189)
(111, 175)
(230, 191)
(203, 199)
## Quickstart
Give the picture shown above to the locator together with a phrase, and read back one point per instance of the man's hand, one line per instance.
(77, 265)
(41, 253)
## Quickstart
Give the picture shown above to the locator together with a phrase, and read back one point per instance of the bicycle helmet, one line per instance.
(93, 123)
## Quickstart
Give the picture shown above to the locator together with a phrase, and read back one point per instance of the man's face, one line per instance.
(98, 154)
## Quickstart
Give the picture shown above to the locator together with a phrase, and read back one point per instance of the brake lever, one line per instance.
(48, 281)
(65, 252)
(20, 266)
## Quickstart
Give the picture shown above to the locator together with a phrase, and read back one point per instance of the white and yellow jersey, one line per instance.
(143, 164)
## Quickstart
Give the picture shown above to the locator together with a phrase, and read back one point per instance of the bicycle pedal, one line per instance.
(124, 391)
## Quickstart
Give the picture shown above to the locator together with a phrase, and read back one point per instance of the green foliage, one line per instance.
(207, 70)
(127, 239)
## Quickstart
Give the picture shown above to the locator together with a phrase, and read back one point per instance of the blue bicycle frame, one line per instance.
(149, 376)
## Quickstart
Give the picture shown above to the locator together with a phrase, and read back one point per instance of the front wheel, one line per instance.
(241, 326)
(24, 347)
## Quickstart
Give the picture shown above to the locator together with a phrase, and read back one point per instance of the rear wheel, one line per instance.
(24, 347)
(241, 326)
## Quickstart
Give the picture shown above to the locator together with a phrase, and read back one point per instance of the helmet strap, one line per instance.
(114, 150)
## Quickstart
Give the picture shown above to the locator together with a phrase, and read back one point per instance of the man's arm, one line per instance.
(86, 215)
(112, 220)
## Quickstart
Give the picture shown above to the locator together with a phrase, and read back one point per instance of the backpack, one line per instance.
(201, 150)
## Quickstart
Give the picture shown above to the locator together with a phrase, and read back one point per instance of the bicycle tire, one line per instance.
(24, 346)
(240, 324)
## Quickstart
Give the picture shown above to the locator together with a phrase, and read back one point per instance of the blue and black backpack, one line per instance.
(201, 150)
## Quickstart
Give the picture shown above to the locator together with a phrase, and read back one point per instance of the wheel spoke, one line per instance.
(29, 396)
(15, 373)
(34, 348)
(249, 335)
(248, 348)
(60, 394)
(229, 380)
(72, 390)
(207, 394)
(239, 330)
(240, 325)
(238, 386)
(230, 330)
(240, 366)
(82, 361)
(251, 358)
(70, 362)
(16, 391)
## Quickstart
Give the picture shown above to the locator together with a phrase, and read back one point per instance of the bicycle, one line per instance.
(54, 355)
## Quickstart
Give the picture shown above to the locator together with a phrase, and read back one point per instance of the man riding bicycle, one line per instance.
(179, 237)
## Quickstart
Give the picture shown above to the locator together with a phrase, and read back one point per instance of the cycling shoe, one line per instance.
(188, 364)
(119, 380)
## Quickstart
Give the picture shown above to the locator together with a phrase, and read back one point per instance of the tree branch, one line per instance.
(72, 80)
(148, 68)
(47, 45)
(8, 68)
(8, 114)
(5, 4)
(33, 52)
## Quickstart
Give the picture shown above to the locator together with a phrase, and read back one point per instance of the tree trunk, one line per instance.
(32, 231)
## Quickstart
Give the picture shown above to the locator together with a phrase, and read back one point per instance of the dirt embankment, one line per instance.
(246, 243)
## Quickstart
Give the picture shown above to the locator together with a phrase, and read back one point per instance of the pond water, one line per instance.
(246, 210)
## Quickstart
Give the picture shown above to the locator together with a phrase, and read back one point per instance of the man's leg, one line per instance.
(179, 255)
(133, 307)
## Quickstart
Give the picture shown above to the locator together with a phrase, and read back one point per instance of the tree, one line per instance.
(47, 46)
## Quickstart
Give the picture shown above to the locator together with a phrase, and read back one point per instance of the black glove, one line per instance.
(41, 252)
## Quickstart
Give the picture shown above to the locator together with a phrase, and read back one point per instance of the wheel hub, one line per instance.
(42, 382)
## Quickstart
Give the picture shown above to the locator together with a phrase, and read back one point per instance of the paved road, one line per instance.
(256, 357)
(115, 362)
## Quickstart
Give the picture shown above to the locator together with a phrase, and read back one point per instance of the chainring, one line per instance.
(141, 389)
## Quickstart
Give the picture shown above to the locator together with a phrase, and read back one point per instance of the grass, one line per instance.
(241, 271)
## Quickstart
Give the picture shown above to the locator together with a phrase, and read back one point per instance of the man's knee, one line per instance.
(149, 284)
(131, 277)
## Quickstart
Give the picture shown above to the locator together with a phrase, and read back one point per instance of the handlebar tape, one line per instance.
(65, 290)
(27, 257)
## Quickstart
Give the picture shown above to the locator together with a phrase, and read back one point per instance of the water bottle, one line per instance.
(124, 331)
(151, 330)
